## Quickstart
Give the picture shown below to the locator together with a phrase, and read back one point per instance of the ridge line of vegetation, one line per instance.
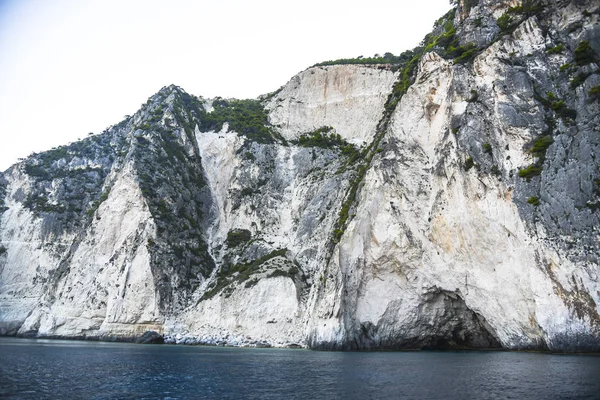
(442, 40)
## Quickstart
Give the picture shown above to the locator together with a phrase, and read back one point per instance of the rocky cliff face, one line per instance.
(449, 199)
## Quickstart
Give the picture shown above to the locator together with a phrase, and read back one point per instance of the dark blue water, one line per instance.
(71, 370)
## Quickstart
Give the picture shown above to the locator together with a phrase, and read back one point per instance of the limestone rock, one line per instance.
(451, 200)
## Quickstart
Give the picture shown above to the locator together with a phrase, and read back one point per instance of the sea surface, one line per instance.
(54, 369)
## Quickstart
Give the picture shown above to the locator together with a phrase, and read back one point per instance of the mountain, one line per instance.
(447, 197)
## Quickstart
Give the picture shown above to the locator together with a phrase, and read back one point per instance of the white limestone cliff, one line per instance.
(349, 98)
(427, 238)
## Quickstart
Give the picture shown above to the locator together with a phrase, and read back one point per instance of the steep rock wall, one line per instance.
(465, 216)
(349, 98)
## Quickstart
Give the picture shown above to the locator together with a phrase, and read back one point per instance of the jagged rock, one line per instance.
(450, 200)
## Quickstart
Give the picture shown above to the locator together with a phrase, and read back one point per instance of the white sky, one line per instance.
(69, 67)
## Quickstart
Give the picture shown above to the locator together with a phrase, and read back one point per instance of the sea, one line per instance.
(56, 369)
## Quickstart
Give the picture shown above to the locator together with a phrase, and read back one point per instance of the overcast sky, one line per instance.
(69, 67)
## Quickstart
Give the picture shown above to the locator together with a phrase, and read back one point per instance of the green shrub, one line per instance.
(530, 171)
(540, 145)
(324, 138)
(508, 21)
(594, 93)
(566, 67)
(236, 237)
(2, 249)
(250, 283)
(464, 53)
(94, 205)
(469, 163)
(37, 171)
(505, 21)
(557, 105)
(246, 117)
(290, 273)
(405, 80)
(556, 49)
(487, 148)
(579, 79)
(468, 4)
(447, 45)
(538, 149)
(534, 200)
(585, 54)
(337, 234)
(594, 206)
(320, 138)
(39, 204)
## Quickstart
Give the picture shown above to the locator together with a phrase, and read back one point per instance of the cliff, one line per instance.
(445, 198)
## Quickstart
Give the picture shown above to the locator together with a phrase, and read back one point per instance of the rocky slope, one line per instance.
(449, 198)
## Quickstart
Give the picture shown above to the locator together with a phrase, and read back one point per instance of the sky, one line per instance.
(73, 67)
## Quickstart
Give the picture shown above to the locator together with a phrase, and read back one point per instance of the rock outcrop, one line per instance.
(449, 199)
